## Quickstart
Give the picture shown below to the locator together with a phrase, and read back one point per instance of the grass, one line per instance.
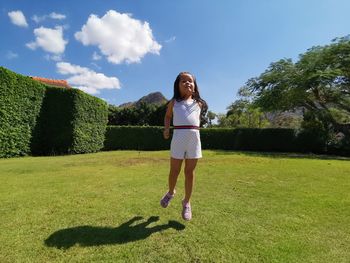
(247, 207)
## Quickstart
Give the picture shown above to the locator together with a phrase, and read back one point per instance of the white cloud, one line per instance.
(170, 39)
(87, 79)
(96, 56)
(95, 65)
(18, 18)
(11, 55)
(31, 45)
(57, 16)
(53, 57)
(53, 15)
(38, 19)
(119, 37)
(49, 39)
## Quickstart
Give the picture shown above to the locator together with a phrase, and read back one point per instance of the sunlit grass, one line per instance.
(247, 207)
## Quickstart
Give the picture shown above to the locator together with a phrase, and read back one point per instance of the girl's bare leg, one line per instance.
(175, 168)
(190, 165)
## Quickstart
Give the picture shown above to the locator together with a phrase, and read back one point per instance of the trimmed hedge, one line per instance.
(249, 139)
(43, 120)
(89, 124)
(151, 138)
(71, 121)
(270, 139)
(20, 103)
(135, 138)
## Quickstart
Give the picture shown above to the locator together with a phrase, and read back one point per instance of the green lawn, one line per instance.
(247, 207)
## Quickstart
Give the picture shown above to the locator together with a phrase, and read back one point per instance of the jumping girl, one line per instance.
(186, 107)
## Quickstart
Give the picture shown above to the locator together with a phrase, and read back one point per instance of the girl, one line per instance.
(186, 107)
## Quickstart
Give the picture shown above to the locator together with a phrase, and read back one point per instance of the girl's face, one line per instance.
(186, 85)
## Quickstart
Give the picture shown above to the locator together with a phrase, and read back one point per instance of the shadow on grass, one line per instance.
(284, 155)
(96, 236)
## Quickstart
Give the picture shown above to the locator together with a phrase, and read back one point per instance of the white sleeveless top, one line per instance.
(186, 113)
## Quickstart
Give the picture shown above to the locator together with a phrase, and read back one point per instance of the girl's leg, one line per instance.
(175, 168)
(190, 165)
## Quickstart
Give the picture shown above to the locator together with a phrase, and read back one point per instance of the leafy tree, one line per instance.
(113, 114)
(157, 116)
(142, 115)
(319, 83)
(123, 116)
(144, 111)
(242, 113)
(284, 120)
(211, 116)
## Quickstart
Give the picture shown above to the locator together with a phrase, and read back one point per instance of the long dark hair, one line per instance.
(196, 96)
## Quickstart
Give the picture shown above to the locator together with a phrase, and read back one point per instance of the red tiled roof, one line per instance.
(53, 82)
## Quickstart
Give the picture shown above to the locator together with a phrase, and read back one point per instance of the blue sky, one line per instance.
(122, 50)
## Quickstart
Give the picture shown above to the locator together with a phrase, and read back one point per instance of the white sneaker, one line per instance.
(186, 210)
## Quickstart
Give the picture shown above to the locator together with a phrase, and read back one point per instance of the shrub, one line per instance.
(38, 119)
(20, 102)
(254, 139)
(135, 138)
(70, 122)
(151, 138)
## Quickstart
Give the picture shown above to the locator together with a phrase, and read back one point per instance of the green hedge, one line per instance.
(135, 138)
(71, 121)
(90, 123)
(20, 103)
(42, 120)
(271, 139)
(249, 139)
(151, 138)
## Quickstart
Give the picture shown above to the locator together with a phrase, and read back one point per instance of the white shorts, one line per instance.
(186, 144)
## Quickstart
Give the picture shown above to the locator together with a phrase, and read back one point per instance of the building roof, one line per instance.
(53, 82)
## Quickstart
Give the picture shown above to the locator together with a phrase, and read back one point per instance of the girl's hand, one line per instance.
(166, 133)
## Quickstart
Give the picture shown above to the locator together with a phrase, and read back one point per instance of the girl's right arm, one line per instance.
(167, 119)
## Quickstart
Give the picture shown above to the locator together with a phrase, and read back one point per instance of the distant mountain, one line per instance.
(127, 104)
(297, 113)
(286, 119)
(152, 98)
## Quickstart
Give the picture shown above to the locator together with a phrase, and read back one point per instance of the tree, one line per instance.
(242, 113)
(123, 116)
(157, 116)
(144, 111)
(319, 83)
(211, 116)
(143, 114)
